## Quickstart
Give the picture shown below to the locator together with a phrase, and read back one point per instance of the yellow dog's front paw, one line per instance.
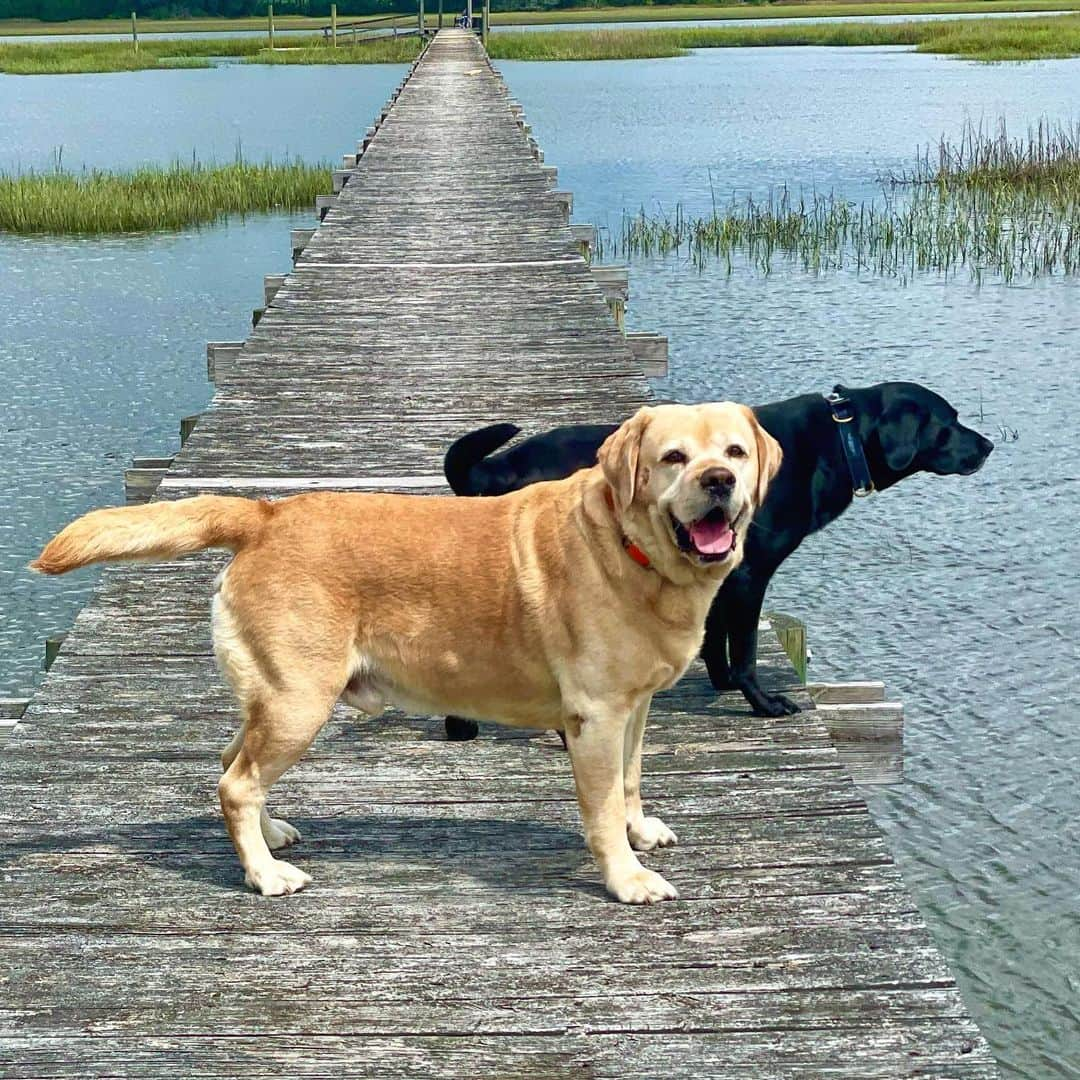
(277, 878)
(642, 887)
(650, 833)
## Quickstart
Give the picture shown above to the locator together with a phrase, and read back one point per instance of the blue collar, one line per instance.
(843, 412)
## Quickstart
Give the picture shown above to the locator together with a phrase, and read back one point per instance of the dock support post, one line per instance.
(792, 635)
(487, 19)
(134, 33)
(333, 26)
(187, 426)
(440, 13)
(420, 18)
(270, 24)
(468, 12)
(52, 648)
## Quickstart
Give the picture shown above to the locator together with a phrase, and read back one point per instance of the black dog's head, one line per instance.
(907, 429)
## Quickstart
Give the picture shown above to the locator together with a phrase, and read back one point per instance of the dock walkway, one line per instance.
(457, 926)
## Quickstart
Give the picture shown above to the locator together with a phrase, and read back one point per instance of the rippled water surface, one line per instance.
(960, 593)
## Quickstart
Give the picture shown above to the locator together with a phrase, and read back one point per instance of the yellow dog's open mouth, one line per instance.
(711, 538)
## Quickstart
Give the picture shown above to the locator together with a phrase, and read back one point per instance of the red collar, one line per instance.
(629, 546)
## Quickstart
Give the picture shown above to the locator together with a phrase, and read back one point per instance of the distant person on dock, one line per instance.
(463, 21)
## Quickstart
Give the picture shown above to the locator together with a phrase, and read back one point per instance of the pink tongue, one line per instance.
(712, 537)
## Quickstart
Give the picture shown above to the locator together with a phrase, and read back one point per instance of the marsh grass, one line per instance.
(1046, 162)
(974, 39)
(148, 199)
(991, 206)
(585, 15)
(72, 57)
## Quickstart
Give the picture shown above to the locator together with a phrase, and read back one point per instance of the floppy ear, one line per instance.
(899, 437)
(769, 457)
(618, 457)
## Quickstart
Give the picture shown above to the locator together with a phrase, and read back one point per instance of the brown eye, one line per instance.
(674, 457)
(736, 451)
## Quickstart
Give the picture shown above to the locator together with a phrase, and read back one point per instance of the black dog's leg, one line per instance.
(743, 613)
(714, 649)
(458, 729)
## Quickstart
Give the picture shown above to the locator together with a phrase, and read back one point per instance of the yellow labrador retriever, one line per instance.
(566, 605)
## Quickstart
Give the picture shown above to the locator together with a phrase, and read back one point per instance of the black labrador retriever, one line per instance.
(853, 442)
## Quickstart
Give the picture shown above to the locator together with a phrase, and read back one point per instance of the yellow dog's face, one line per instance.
(691, 476)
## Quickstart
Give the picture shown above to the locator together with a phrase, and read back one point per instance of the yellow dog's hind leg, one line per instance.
(278, 728)
(277, 832)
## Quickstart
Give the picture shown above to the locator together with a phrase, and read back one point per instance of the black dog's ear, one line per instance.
(899, 436)
(840, 389)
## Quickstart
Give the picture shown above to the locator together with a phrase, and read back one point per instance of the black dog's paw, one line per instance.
(775, 705)
(461, 730)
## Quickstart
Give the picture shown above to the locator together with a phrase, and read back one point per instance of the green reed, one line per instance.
(1003, 233)
(150, 198)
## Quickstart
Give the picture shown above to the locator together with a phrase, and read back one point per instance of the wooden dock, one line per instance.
(457, 926)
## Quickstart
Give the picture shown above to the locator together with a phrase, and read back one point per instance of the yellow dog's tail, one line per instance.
(157, 531)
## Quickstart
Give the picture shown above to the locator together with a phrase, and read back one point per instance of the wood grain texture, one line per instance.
(456, 926)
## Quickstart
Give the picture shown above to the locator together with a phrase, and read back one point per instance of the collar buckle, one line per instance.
(843, 412)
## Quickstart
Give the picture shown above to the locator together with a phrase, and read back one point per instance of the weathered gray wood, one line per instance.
(271, 284)
(651, 351)
(845, 693)
(220, 357)
(585, 237)
(879, 721)
(143, 478)
(298, 240)
(456, 926)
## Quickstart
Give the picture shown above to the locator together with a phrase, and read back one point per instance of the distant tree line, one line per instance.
(62, 10)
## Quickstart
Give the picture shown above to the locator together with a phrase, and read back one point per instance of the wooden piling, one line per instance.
(333, 26)
(792, 635)
(134, 33)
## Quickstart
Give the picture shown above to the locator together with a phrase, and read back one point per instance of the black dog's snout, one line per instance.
(717, 480)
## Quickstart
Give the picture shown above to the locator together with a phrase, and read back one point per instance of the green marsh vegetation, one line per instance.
(97, 202)
(737, 9)
(990, 206)
(72, 57)
(973, 39)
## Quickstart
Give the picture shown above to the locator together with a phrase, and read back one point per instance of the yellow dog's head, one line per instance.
(686, 480)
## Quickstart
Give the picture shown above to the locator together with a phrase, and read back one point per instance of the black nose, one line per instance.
(717, 481)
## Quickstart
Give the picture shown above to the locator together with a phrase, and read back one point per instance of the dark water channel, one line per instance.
(961, 594)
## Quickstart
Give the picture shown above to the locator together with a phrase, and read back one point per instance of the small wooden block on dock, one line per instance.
(299, 239)
(11, 711)
(271, 284)
(220, 356)
(143, 478)
(650, 351)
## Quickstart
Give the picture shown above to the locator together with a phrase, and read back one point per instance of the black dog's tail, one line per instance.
(470, 450)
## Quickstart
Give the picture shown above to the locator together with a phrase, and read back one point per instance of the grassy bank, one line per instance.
(633, 13)
(153, 198)
(991, 206)
(988, 39)
(976, 39)
(72, 57)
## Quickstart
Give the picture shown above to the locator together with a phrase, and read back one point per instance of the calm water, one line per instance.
(960, 593)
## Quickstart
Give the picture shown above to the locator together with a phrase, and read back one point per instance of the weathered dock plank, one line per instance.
(457, 926)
